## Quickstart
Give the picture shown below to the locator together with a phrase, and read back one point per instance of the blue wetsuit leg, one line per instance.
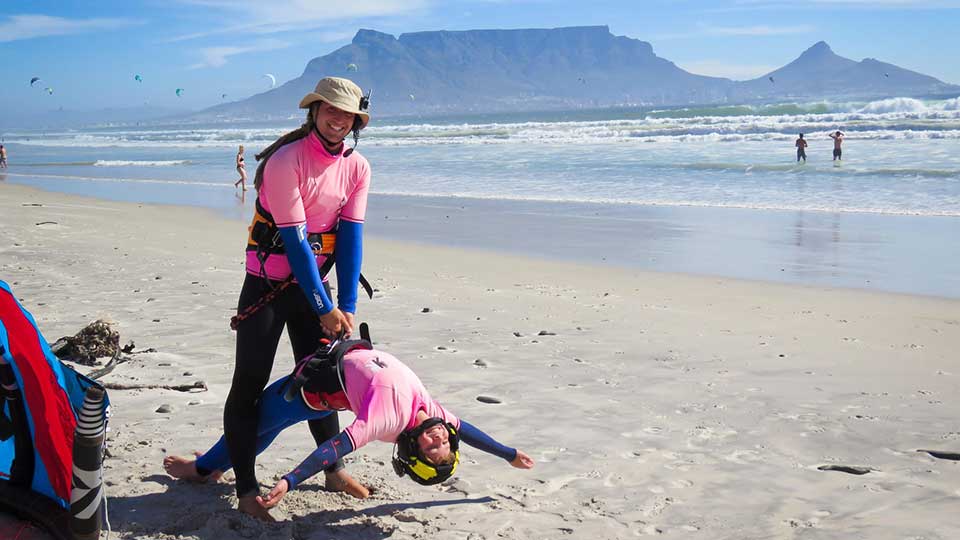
(276, 414)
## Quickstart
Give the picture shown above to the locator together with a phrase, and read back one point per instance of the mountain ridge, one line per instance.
(490, 70)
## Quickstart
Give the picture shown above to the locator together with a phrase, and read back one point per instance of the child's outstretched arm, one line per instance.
(472, 435)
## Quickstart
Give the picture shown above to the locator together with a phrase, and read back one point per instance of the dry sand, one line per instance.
(654, 404)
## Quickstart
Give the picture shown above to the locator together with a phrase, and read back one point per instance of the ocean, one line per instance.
(663, 190)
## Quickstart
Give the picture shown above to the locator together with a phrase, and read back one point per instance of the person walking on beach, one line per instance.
(837, 141)
(241, 170)
(801, 149)
(391, 405)
(3, 157)
(310, 207)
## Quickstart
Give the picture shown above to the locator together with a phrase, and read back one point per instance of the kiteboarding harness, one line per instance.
(265, 239)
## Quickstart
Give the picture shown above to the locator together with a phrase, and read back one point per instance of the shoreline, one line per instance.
(653, 403)
(873, 252)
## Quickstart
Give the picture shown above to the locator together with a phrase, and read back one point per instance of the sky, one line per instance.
(88, 53)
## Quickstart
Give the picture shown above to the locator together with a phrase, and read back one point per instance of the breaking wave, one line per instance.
(124, 163)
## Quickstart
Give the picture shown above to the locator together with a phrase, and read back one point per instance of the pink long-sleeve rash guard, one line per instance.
(303, 183)
(385, 395)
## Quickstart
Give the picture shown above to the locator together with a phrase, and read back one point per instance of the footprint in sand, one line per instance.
(742, 457)
(807, 523)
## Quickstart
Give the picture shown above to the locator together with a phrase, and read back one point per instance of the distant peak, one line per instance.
(372, 36)
(819, 48)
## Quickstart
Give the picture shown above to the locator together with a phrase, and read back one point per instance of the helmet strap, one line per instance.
(327, 143)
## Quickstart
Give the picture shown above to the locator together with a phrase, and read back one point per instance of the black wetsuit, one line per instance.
(801, 153)
(837, 153)
(257, 340)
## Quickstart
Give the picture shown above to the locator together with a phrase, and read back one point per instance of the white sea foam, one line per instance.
(895, 118)
(124, 163)
(910, 105)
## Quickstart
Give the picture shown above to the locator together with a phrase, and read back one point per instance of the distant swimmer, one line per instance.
(241, 170)
(801, 149)
(837, 141)
(3, 157)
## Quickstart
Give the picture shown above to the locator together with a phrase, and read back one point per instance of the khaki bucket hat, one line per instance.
(343, 94)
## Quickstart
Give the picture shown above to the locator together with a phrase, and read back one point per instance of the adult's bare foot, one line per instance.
(250, 506)
(186, 469)
(342, 481)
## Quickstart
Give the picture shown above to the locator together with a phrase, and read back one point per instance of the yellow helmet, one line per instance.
(408, 459)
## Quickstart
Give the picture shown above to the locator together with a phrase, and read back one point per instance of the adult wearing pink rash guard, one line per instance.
(308, 182)
(389, 401)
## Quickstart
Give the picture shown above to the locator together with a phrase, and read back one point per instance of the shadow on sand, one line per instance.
(205, 511)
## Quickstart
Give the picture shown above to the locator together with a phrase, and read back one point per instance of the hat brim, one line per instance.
(313, 97)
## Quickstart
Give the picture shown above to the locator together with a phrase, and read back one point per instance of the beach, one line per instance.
(655, 403)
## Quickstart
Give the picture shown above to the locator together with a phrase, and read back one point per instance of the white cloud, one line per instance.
(274, 16)
(720, 68)
(18, 27)
(217, 56)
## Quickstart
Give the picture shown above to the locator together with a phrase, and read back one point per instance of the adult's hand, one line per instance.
(348, 330)
(522, 461)
(334, 322)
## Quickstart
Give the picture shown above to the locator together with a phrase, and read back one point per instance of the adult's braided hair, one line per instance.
(288, 138)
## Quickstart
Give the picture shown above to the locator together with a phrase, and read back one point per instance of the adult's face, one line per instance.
(435, 443)
(333, 123)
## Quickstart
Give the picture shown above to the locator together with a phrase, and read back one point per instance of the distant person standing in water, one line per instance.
(801, 149)
(241, 170)
(3, 157)
(837, 141)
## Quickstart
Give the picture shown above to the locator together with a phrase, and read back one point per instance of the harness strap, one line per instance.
(248, 311)
(319, 373)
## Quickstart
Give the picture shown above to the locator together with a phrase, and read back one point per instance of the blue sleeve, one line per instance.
(304, 266)
(325, 455)
(472, 435)
(349, 252)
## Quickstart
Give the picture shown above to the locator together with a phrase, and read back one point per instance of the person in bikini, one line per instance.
(390, 403)
(241, 170)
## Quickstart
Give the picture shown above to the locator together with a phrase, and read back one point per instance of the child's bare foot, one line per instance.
(249, 505)
(186, 469)
(342, 481)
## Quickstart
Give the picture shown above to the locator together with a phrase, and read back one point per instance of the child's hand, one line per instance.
(273, 498)
(522, 461)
